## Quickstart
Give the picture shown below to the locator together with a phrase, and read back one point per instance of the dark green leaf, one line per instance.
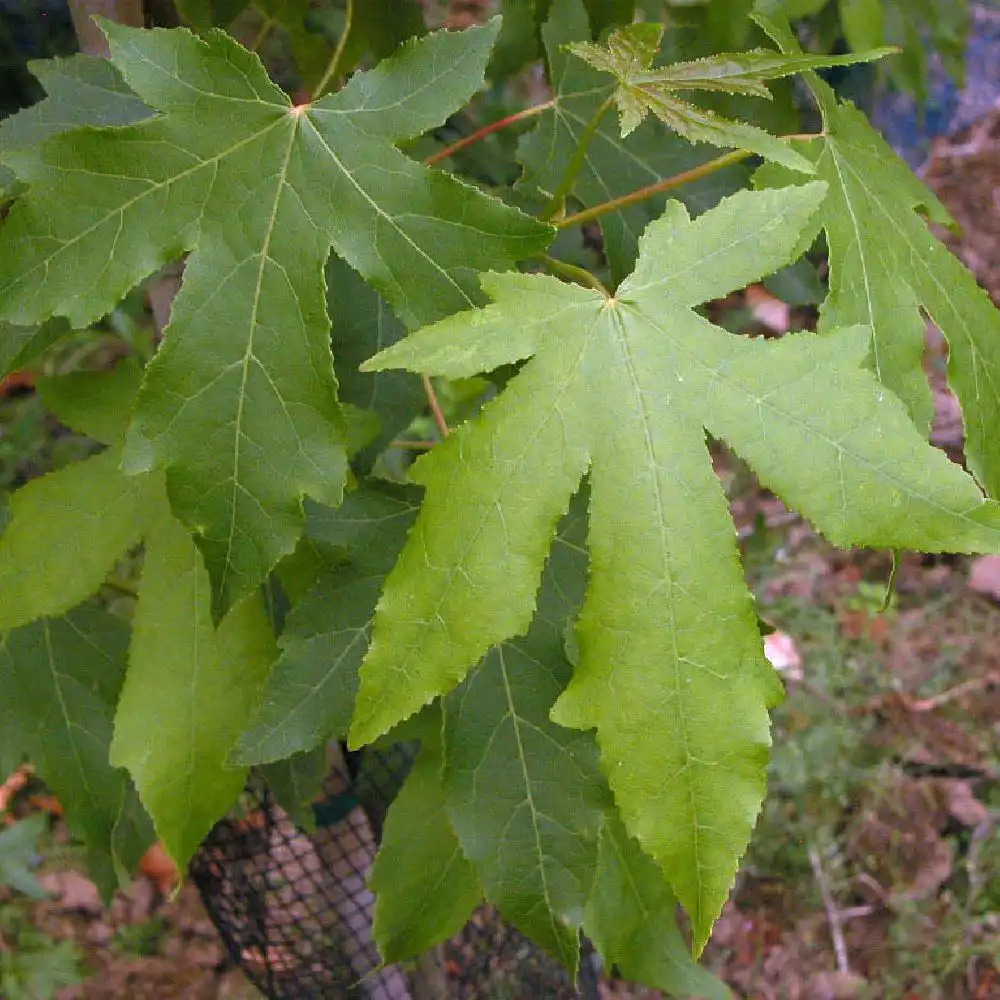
(64, 674)
(18, 854)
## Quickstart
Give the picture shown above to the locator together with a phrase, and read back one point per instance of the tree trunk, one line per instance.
(92, 40)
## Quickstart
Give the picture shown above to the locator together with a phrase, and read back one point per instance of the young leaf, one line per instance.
(525, 796)
(426, 888)
(67, 530)
(258, 190)
(628, 56)
(632, 919)
(310, 692)
(887, 269)
(612, 166)
(671, 671)
(64, 674)
(169, 730)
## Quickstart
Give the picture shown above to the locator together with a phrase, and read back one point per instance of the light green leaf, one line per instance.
(98, 404)
(525, 796)
(670, 668)
(628, 56)
(18, 849)
(887, 269)
(67, 530)
(310, 693)
(64, 675)
(612, 166)
(171, 731)
(240, 402)
(426, 890)
(632, 920)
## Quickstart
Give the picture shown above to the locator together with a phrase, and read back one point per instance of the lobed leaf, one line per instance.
(887, 269)
(240, 404)
(670, 672)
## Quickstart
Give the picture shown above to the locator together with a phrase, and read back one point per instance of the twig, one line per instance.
(432, 400)
(413, 445)
(833, 915)
(338, 53)
(576, 162)
(966, 687)
(482, 133)
(265, 30)
(667, 184)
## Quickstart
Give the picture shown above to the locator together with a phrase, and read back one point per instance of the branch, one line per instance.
(435, 405)
(833, 915)
(486, 130)
(92, 40)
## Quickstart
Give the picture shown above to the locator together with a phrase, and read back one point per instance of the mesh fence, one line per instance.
(295, 912)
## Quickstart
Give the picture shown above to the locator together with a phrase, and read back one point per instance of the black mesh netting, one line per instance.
(295, 912)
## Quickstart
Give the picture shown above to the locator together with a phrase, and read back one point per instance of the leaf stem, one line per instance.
(338, 53)
(435, 405)
(579, 275)
(667, 184)
(576, 163)
(482, 133)
(265, 30)
(413, 445)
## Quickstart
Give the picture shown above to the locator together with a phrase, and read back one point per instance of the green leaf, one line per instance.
(18, 850)
(671, 671)
(98, 404)
(426, 890)
(240, 402)
(39, 966)
(525, 796)
(632, 920)
(310, 693)
(612, 166)
(364, 326)
(887, 269)
(169, 730)
(628, 56)
(64, 675)
(67, 530)
(81, 90)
